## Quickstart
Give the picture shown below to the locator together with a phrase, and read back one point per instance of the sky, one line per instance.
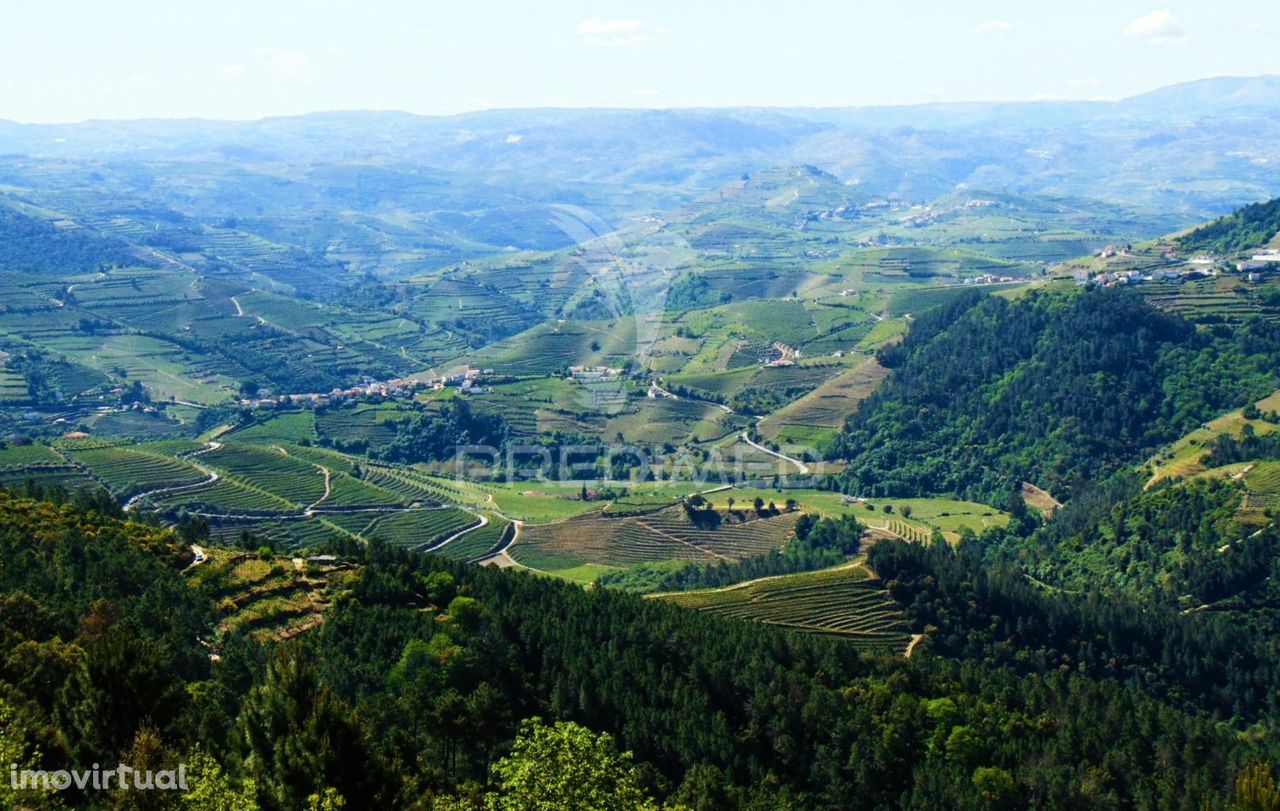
(63, 61)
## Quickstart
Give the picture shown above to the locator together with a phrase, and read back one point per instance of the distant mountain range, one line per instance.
(1202, 147)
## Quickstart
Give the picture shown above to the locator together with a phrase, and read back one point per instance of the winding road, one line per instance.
(484, 521)
(211, 473)
(801, 467)
(499, 556)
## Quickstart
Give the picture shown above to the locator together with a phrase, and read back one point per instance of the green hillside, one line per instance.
(1245, 229)
(1055, 388)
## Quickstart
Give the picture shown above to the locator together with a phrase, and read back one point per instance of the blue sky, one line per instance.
(69, 61)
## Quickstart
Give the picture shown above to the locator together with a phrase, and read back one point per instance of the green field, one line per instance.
(666, 534)
(479, 541)
(126, 471)
(1184, 457)
(844, 602)
(417, 529)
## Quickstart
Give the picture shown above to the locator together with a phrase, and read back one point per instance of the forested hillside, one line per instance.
(1242, 230)
(426, 674)
(1186, 545)
(1053, 388)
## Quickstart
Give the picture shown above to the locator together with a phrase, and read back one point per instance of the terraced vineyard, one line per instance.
(370, 426)
(347, 492)
(1263, 483)
(271, 599)
(13, 388)
(420, 528)
(270, 470)
(845, 602)
(288, 427)
(411, 485)
(478, 542)
(223, 496)
(125, 471)
(68, 477)
(827, 406)
(1225, 299)
(20, 455)
(908, 530)
(286, 532)
(667, 534)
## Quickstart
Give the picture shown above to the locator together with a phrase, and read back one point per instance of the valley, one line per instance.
(718, 459)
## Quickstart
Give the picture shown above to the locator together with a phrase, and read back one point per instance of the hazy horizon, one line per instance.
(637, 108)
(68, 63)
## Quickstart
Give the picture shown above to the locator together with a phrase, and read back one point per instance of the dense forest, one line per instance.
(1243, 230)
(1169, 545)
(435, 436)
(435, 685)
(30, 245)
(1227, 449)
(1053, 388)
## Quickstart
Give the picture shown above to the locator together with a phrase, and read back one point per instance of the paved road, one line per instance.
(800, 466)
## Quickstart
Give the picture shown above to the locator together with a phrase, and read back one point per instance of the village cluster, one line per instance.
(1197, 267)
(467, 382)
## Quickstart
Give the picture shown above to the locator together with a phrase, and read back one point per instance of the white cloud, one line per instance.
(514, 138)
(618, 33)
(1254, 27)
(233, 71)
(287, 63)
(1159, 26)
(993, 26)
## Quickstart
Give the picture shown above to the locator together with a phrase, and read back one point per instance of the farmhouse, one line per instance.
(593, 372)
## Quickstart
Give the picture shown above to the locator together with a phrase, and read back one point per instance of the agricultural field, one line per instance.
(818, 415)
(362, 427)
(126, 471)
(553, 347)
(14, 455)
(293, 532)
(291, 427)
(271, 599)
(667, 534)
(947, 516)
(1227, 299)
(69, 477)
(845, 602)
(270, 470)
(418, 529)
(673, 421)
(923, 265)
(1262, 483)
(13, 388)
(478, 542)
(885, 332)
(348, 492)
(1184, 457)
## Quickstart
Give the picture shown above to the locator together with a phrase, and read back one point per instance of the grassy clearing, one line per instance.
(1183, 458)
(948, 516)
